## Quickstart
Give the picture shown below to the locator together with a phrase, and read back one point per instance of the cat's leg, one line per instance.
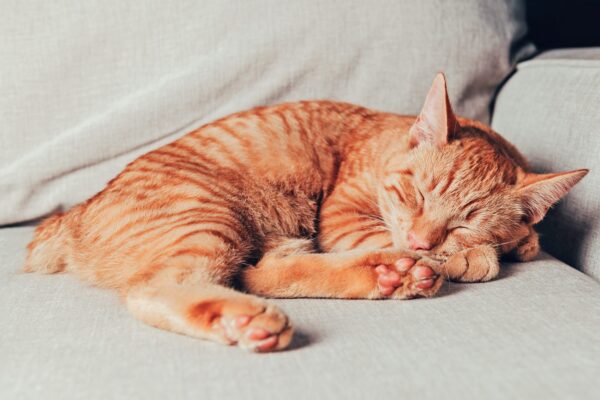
(292, 270)
(185, 296)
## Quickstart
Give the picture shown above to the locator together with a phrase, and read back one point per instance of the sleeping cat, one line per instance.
(327, 199)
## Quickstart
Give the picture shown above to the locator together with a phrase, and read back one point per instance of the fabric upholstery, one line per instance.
(88, 86)
(531, 334)
(550, 110)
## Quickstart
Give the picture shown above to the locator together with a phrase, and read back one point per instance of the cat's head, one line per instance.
(462, 185)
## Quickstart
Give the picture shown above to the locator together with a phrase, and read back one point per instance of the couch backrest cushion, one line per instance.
(88, 86)
(550, 109)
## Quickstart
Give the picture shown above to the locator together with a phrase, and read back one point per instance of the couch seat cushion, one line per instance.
(533, 333)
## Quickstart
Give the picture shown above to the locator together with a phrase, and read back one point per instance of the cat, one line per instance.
(308, 199)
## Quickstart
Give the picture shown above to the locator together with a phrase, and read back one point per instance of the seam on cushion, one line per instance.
(576, 64)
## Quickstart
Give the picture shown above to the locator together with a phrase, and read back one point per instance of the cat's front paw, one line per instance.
(479, 264)
(407, 278)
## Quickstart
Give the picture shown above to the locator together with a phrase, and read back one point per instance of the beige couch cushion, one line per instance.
(532, 334)
(550, 109)
(87, 86)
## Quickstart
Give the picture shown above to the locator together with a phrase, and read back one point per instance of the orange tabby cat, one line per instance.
(323, 195)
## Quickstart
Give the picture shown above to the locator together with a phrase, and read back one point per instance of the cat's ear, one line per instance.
(538, 192)
(436, 123)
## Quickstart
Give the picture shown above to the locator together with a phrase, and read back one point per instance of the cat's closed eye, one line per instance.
(458, 229)
(472, 214)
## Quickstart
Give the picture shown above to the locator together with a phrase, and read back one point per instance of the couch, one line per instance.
(88, 86)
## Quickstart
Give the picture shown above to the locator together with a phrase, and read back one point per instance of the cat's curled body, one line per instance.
(323, 195)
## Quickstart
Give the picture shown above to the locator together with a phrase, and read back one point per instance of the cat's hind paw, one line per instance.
(528, 248)
(252, 326)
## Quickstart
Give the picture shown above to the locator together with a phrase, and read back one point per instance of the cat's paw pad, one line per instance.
(406, 278)
(388, 280)
(268, 330)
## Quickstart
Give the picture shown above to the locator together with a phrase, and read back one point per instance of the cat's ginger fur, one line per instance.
(324, 196)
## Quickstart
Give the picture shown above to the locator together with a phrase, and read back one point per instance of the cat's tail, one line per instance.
(47, 250)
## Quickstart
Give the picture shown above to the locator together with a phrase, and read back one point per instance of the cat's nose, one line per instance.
(417, 243)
